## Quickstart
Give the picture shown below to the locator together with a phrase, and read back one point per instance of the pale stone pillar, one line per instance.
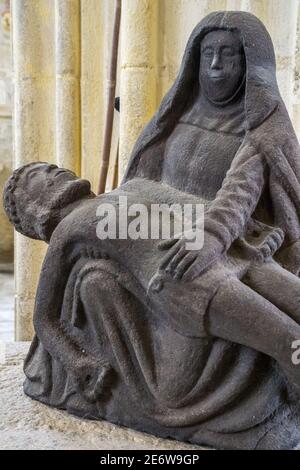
(67, 42)
(34, 130)
(6, 230)
(92, 76)
(138, 71)
(283, 28)
(96, 35)
(234, 5)
(280, 18)
(296, 110)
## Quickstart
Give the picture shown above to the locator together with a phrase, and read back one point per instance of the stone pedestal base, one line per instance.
(27, 424)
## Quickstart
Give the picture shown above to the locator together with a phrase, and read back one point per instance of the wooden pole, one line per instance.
(111, 89)
(115, 181)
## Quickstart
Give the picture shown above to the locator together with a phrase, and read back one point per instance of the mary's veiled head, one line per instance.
(227, 53)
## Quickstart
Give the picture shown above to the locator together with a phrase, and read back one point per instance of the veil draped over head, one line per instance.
(268, 126)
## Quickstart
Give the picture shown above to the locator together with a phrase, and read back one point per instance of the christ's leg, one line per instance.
(239, 314)
(278, 285)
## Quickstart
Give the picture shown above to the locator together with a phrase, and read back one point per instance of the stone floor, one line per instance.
(6, 306)
(27, 424)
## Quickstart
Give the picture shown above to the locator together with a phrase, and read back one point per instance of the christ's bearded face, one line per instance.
(222, 66)
(40, 197)
(53, 187)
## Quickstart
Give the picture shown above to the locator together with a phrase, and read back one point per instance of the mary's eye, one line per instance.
(208, 53)
(227, 52)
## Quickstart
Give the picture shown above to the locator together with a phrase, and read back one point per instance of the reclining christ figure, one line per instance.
(198, 345)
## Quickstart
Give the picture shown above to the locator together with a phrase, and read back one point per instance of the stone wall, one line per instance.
(6, 231)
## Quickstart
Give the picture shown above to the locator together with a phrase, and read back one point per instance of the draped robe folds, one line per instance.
(205, 390)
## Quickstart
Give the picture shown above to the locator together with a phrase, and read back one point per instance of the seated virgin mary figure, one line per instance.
(197, 345)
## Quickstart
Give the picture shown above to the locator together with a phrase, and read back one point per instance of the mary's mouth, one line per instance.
(217, 77)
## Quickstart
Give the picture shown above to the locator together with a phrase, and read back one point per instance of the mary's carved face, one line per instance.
(222, 66)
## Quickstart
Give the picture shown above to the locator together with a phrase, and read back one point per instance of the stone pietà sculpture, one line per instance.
(193, 345)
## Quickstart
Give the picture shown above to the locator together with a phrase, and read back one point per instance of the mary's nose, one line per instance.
(216, 62)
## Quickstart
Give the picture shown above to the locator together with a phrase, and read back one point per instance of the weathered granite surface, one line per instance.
(27, 424)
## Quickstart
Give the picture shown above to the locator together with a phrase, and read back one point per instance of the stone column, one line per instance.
(67, 45)
(46, 56)
(34, 130)
(6, 230)
(92, 44)
(280, 18)
(96, 35)
(296, 110)
(138, 71)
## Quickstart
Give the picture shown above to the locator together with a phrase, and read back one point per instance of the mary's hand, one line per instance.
(186, 264)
